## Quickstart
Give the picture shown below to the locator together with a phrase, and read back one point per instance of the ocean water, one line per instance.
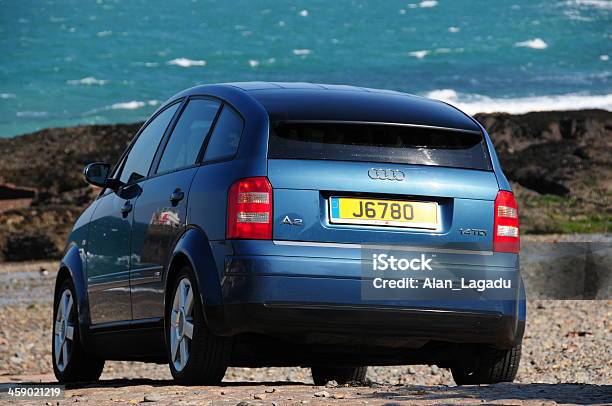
(74, 62)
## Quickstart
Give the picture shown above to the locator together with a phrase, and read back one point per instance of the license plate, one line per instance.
(375, 212)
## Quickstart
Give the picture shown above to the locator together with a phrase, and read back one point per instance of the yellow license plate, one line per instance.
(396, 213)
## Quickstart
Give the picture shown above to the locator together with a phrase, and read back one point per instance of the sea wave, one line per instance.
(428, 3)
(302, 52)
(601, 4)
(133, 105)
(419, 54)
(90, 80)
(8, 96)
(536, 43)
(32, 114)
(475, 103)
(186, 63)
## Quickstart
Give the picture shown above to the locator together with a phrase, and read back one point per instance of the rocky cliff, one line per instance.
(560, 164)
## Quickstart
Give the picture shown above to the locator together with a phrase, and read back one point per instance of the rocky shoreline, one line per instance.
(558, 162)
(566, 360)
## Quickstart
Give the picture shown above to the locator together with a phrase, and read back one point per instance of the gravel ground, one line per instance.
(566, 342)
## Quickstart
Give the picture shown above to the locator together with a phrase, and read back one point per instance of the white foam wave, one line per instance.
(186, 63)
(32, 114)
(133, 105)
(419, 54)
(302, 52)
(428, 3)
(601, 4)
(536, 43)
(89, 80)
(575, 15)
(475, 103)
(8, 96)
(303, 13)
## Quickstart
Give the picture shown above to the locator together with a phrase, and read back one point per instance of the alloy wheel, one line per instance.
(64, 331)
(181, 324)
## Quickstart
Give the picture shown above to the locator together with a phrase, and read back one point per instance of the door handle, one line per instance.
(177, 196)
(126, 209)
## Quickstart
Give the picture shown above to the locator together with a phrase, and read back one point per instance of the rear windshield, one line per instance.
(378, 143)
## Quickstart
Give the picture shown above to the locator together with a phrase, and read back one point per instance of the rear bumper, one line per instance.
(308, 323)
(317, 299)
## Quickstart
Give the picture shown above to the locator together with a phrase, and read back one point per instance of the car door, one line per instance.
(108, 245)
(161, 209)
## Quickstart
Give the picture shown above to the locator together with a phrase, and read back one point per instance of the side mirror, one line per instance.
(97, 174)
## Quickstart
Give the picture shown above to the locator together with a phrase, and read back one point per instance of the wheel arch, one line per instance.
(71, 267)
(193, 248)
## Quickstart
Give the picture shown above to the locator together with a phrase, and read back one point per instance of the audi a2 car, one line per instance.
(240, 226)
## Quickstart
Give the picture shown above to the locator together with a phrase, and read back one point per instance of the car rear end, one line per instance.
(337, 193)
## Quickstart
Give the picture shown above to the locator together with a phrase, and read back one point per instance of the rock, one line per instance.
(259, 396)
(337, 396)
(322, 394)
(19, 247)
(563, 138)
(153, 397)
(331, 384)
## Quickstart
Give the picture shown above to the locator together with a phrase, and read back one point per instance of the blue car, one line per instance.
(295, 224)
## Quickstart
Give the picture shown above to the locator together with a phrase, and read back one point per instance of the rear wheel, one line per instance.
(493, 366)
(71, 363)
(197, 357)
(322, 375)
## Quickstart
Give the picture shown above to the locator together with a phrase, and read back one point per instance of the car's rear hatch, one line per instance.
(381, 183)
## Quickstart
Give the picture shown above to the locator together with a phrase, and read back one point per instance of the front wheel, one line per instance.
(492, 366)
(197, 357)
(342, 376)
(71, 363)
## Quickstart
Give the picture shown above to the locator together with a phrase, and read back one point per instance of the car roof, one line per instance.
(300, 101)
(323, 102)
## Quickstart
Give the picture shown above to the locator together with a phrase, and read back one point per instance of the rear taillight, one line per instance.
(506, 237)
(249, 209)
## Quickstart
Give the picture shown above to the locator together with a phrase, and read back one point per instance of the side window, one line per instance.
(141, 155)
(226, 135)
(189, 133)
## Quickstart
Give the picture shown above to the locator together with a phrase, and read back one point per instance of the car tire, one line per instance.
(342, 376)
(71, 363)
(187, 335)
(493, 366)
